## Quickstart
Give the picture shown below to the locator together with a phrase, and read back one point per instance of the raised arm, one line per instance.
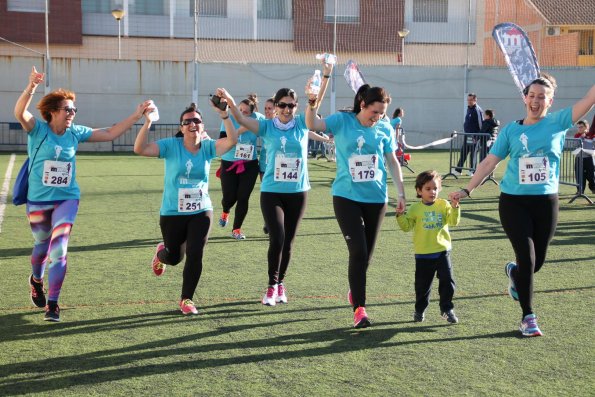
(111, 133)
(247, 122)
(223, 145)
(584, 105)
(21, 112)
(314, 101)
(141, 145)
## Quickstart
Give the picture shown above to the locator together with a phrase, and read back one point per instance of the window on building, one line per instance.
(430, 10)
(274, 9)
(26, 5)
(347, 11)
(101, 6)
(586, 42)
(210, 8)
(148, 7)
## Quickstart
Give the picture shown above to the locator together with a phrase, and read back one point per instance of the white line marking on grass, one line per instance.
(5, 188)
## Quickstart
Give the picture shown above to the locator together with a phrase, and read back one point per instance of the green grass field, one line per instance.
(122, 333)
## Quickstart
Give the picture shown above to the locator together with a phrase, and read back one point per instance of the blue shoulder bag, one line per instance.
(21, 184)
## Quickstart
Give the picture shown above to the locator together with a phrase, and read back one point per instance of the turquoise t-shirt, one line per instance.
(262, 158)
(286, 151)
(247, 139)
(395, 121)
(360, 150)
(534, 150)
(186, 180)
(53, 174)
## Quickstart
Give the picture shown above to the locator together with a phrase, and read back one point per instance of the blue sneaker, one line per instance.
(510, 266)
(529, 326)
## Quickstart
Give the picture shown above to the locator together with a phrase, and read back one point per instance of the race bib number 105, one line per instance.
(533, 170)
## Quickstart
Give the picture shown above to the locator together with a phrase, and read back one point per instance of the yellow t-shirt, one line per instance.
(430, 225)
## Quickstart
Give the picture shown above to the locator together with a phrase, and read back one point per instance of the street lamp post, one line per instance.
(402, 34)
(118, 14)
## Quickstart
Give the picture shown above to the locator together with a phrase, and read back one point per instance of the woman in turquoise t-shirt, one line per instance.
(528, 204)
(285, 184)
(186, 209)
(239, 170)
(365, 151)
(53, 196)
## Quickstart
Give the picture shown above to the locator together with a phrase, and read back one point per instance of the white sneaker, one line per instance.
(455, 172)
(270, 296)
(469, 173)
(281, 294)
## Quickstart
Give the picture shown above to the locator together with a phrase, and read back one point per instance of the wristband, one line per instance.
(225, 118)
(29, 92)
(326, 76)
(466, 191)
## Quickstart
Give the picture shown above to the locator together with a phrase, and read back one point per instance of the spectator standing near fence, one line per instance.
(54, 194)
(365, 151)
(588, 175)
(528, 204)
(489, 126)
(239, 170)
(186, 210)
(471, 125)
(285, 185)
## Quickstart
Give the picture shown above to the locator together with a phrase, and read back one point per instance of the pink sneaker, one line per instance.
(360, 318)
(270, 296)
(281, 294)
(158, 267)
(187, 307)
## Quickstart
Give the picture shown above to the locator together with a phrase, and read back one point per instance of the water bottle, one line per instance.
(329, 59)
(154, 115)
(316, 82)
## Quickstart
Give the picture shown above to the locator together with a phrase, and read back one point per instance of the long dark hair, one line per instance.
(544, 79)
(190, 109)
(369, 95)
(283, 92)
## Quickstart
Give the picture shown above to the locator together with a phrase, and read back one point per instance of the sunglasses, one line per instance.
(283, 105)
(69, 110)
(188, 121)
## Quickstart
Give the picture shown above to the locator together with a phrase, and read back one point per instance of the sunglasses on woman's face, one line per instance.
(283, 105)
(69, 109)
(189, 121)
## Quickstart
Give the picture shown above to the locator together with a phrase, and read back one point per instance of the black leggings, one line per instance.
(360, 224)
(237, 188)
(530, 224)
(282, 214)
(192, 230)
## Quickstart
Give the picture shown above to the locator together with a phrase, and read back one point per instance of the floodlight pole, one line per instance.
(195, 68)
(47, 87)
(333, 90)
(402, 34)
(118, 14)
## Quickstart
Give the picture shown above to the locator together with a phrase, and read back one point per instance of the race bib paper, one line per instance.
(191, 199)
(533, 170)
(244, 151)
(287, 169)
(57, 173)
(363, 168)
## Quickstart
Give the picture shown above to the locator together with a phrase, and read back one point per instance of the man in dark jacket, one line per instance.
(472, 125)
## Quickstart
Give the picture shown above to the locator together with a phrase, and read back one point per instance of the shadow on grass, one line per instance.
(110, 364)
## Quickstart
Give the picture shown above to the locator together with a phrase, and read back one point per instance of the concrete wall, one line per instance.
(434, 99)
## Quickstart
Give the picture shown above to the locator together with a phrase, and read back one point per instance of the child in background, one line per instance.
(429, 219)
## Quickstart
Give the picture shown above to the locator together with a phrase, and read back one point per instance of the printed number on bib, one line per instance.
(57, 173)
(533, 170)
(190, 199)
(244, 151)
(287, 169)
(363, 168)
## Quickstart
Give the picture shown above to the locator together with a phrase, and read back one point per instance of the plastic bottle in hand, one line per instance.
(154, 114)
(329, 59)
(315, 83)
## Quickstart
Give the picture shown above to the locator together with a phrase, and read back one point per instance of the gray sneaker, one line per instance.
(450, 316)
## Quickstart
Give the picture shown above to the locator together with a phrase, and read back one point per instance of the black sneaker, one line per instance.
(450, 317)
(52, 312)
(418, 317)
(37, 292)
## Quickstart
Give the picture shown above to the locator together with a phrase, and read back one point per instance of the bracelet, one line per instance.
(29, 92)
(326, 76)
(225, 118)
(466, 191)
